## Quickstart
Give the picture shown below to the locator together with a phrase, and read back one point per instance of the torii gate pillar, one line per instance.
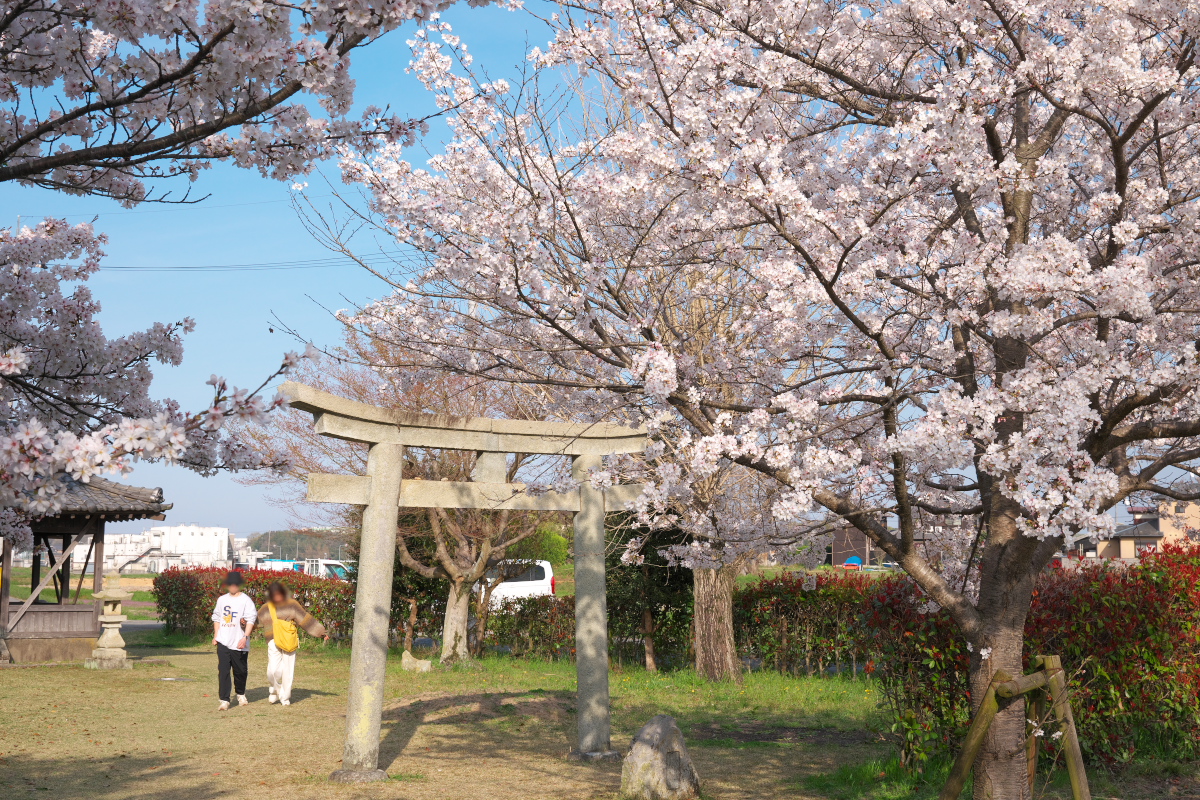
(383, 493)
(372, 612)
(591, 619)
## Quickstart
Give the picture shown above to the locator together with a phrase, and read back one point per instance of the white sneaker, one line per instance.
(272, 698)
(224, 706)
(285, 702)
(242, 701)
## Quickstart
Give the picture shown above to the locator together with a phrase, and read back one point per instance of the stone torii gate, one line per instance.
(383, 493)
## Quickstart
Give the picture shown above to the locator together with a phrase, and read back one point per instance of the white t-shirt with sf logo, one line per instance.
(231, 612)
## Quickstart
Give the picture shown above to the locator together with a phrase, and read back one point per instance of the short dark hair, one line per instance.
(277, 588)
(234, 578)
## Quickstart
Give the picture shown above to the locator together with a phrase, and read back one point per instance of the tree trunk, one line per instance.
(1001, 770)
(648, 639)
(454, 628)
(411, 625)
(483, 610)
(712, 626)
(648, 621)
(1008, 568)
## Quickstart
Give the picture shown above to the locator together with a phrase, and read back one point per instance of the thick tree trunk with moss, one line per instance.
(712, 623)
(1009, 565)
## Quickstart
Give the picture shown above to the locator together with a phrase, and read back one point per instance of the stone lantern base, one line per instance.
(108, 658)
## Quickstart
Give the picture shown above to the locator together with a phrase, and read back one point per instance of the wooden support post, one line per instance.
(98, 568)
(83, 572)
(1070, 740)
(975, 736)
(372, 609)
(64, 572)
(591, 619)
(36, 565)
(5, 583)
(1021, 685)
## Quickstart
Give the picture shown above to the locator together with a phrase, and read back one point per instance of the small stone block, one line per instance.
(358, 776)
(411, 663)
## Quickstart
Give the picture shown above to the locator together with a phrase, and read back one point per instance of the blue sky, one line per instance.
(248, 219)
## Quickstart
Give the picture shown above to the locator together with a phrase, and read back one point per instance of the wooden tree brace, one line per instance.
(1051, 678)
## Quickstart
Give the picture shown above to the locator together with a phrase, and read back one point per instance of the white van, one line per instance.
(525, 579)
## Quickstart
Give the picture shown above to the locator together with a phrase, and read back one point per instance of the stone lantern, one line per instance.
(110, 647)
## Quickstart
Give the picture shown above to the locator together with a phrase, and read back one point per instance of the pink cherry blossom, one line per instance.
(927, 267)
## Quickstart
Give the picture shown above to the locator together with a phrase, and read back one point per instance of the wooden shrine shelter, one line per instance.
(65, 629)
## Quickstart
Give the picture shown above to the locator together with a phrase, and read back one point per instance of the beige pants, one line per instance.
(281, 669)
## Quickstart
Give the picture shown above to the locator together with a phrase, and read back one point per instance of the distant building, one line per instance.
(160, 548)
(244, 556)
(1149, 528)
(849, 542)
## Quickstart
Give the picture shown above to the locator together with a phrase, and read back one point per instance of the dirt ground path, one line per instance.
(153, 732)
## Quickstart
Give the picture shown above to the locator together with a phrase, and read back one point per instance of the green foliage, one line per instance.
(794, 630)
(546, 544)
(541, 627)
(1129, 638)
(655, 586)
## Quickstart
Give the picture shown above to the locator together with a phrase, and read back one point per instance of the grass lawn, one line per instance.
(498, 730)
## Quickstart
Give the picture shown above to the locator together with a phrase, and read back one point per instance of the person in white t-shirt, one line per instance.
(233, 619)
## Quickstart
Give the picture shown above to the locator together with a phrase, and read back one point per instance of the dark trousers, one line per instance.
(236, 661)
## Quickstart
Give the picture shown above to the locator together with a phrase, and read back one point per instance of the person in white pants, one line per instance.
(281, 671)
(280, 617)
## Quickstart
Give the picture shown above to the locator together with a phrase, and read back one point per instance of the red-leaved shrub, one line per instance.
(186, 597)
(1129, 638)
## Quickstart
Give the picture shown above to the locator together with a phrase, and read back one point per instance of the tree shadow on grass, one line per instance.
(447, 709)
(113, 777)
(519, 739)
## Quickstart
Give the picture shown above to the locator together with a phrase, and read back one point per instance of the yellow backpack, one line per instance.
(284, 632)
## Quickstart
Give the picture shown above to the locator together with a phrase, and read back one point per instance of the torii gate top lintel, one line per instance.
(348, 419)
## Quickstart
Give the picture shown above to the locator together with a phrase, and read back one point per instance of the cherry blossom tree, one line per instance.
(99, 97)
(102, 98)
(77, 404)
(726, 511)
(963, 236)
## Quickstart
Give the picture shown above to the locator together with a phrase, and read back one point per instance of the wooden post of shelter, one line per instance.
(383, 493)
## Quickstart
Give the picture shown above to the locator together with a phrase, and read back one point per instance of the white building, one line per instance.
(156, 549)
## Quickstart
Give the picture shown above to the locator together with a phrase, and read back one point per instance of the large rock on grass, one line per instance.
(658, 766)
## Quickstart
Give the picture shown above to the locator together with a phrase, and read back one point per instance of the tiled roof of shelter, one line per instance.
(110, 499)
